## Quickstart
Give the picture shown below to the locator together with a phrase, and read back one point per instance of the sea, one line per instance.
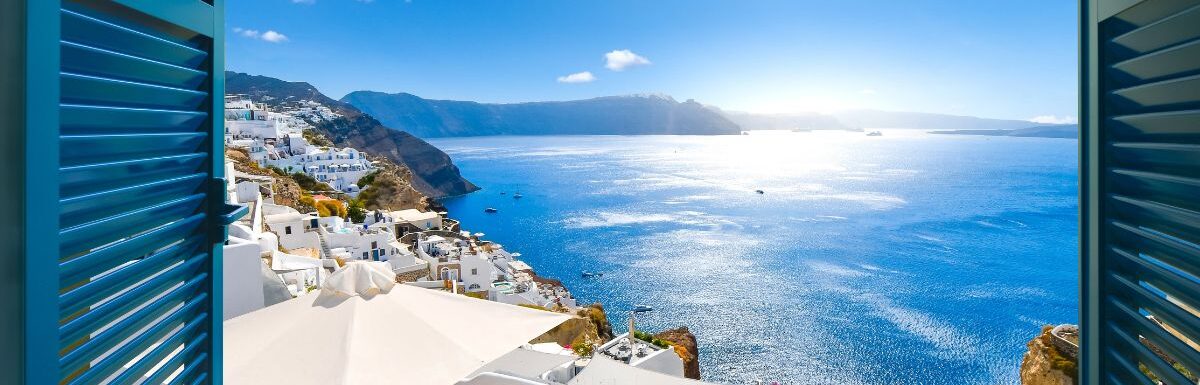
(906, 258)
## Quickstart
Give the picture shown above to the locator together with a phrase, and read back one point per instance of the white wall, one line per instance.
(241, 278)
(665, 361)
(297, 239)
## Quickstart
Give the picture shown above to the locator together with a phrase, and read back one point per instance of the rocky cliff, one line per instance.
(391, 188)
(684, 343)
(433, 173)
(285, 189)
(613, 115)
(1046, 365)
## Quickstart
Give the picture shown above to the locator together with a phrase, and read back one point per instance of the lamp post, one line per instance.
(632, 315)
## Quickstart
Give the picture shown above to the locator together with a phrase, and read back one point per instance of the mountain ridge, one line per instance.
(619, 115)
(434, 174)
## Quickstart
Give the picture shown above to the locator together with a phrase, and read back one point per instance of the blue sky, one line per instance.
(1002, 58)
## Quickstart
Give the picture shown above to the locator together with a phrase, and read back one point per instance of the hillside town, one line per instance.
(288, 251)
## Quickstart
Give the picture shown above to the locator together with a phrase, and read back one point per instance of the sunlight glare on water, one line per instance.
(903, 259)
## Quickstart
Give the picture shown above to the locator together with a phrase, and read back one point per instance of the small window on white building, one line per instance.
(474, 271)
(287, 230)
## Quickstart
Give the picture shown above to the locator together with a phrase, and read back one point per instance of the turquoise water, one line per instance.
(904, 259)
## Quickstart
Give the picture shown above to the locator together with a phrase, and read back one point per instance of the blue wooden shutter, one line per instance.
(125, 167)
(1141, 191)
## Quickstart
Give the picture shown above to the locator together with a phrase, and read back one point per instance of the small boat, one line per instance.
(490, 210)
(503, 193)
(641, 309)
(517, 196)
(760, 192)
(874, 133)
(588, 274)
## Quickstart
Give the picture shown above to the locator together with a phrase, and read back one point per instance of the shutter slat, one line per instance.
(1173, 29)
(98, 233)
(1157, 335)
(1164, 93)
(1132, 347)
(1170, 282)
(79, 58)
(1161, 246)
(90, 178)
(1177, 60)
(1185, 122)
(1171, 158)
(191, 350)
(111, 256)
(112, 363)
(92, 149)
(190, 371)
(187, 273)
(1165, 188)
(87, 119)
(144, 364)
(1184, 323)
(100, 288)
(1148, 12)
(90, 207)
(86, 89)
(1127, 371)
(87, 30)
(1181, 222)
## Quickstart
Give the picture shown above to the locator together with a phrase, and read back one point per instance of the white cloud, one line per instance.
(274, 37)
(580, 77)
(1051, 119)
(250, 33)
(269, 36)
(619, 60)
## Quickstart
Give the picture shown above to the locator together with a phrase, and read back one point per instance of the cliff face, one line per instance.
(614, 115)
(588, 326)
(433, 173)
(285, 189)
(1043, 363)
(390, 190)
(684, 343)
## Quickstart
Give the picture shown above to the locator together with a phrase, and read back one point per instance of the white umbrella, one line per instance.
(363, 328)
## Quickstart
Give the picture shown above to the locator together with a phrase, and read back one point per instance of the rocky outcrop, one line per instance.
(285, 189)
(391, 189)
(684, 343)
(1044, 364)
(433, 173)
(589, 326)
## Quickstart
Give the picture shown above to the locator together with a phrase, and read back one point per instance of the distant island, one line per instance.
(651, 114)
(1066, 131)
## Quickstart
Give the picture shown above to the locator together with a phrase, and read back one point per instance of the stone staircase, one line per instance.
(325, 253)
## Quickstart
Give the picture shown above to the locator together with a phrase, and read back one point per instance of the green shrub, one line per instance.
(583, 350)
(356, 212)
(641, 335)
(309, 184)
(367, 179)
(277, 170)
